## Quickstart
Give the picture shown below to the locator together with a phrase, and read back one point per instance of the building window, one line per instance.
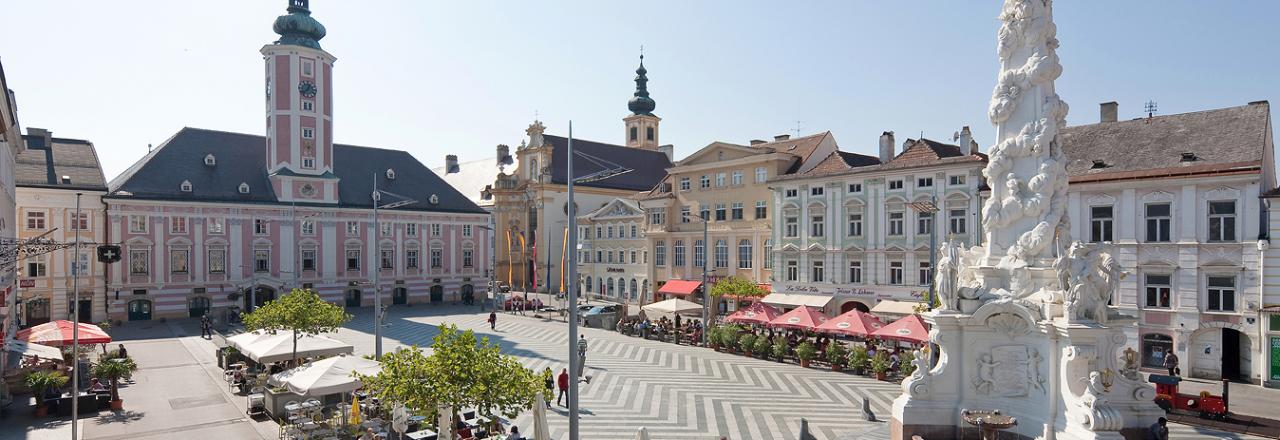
(895, 223)
(600, 256)
(609, 256)
(307, 106)
(308, 227)
(895, 273)
(139, 262)
(790, 193)
(599, 231)
(925, 275)
(411, 258)
(435, 230)
(307, 133)
(178, 260)
(466, 230)
(855, 225)
(791, 227)
(260, 227)
(704, 212)
(762, 174)
(817, 226)
(610, 285)
(660, 253)
(261, 260)
(1159, 290)
(411, 229)
(1222, 221)
(722, 254)
(635, 133)
(704, 182)
(437, 258)
(635, 231)
(609, 233)
(768, 254)
(306, 68)
(855, 188)
(720, 180)
(244, 188)
(217, 261)
(762, 209)
(684, 214)
(736, 178)
(793, 270)
(721, 212)
(36, 266)
(353, 259)
(736, 211)
(215, 225)
(855, 272)
(684, 184)
(36, 220)
(1101, 224)
(353, 229)
(1159, 216)
(744, 254)
(958, 218)
(1222, 294)
(178, 225)
(924, 182)
(657, 216)
(137, 223)
(699, 253)
(308, 162)
(895, 184)
(386, 259)
(817, 191)
(924, 222)
(468, 258)
(1154, 346)
(956, 180)
(386, 228)
(678, 252)
(80, 222)
(633, 257)
(308, 260)
(816, 268)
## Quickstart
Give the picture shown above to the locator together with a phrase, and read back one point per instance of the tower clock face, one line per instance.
(307, 88)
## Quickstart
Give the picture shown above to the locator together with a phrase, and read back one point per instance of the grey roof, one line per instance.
(648, 166)
(242, 158)
(473, 176)
(1220, 139)
(43, 164)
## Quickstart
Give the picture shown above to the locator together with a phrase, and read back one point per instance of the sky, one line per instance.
(437, 78)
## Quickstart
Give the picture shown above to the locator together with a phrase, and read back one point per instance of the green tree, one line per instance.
(41, 380)
(301, 312)
(112, 370)
(737, 286)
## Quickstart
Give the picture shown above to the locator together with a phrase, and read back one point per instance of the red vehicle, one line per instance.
(1168, 398)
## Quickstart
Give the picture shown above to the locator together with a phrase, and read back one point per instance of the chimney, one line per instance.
(758, 141)
(1110, 111)
(781, 137)
(886, 147)
(504, 155)
(967, 145)
(669, 150)
(451, 164)
(46, 136)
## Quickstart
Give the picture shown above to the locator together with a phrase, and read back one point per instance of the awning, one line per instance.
(910, 329)
(24, 348)
(327, 376)
(797, 300)
(679, 287)
(896, 309)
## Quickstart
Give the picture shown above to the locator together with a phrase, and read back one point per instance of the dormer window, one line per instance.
(209, 160)
(434, 199)
(186, 186)
(66, 180)
(391, 174)
(244, 188)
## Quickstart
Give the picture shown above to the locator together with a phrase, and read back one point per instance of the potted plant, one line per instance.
(762, 347)
(713, 337)
(779, 348)
(748, 343)
(880, 365)
(40, 381)
(906, 363)
(805, 352)
(837, 355)
(858, 359)
(113, 370)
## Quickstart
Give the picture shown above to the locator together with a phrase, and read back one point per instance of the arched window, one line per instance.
(635, 133)
(635, 291)
(722, 253)
(610, 291)
(699, 253)
(660, 253)
(744, 254)
(587, 285)
(768, 254)
(648, 134)
(678, 249)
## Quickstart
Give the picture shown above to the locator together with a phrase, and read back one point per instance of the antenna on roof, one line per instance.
(1151, 110)
(797, 129)
(148, 147)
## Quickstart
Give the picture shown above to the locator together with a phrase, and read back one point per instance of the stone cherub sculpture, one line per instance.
(946, 277)
(1089, 275)
(985, 379)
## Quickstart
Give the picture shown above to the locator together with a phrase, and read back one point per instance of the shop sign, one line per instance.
(26, 283)
(614, 270)
(881, 293)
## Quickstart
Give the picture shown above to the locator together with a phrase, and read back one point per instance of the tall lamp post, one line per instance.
(931, 208)
(377, 269)
(75, 323)
(706, 290)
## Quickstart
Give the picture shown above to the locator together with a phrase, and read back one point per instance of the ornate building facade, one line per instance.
(10, 146)
(218, 219)
(613, 256)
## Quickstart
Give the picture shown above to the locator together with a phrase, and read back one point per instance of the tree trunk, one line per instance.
(295, 346)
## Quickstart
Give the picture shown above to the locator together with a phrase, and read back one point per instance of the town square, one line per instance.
(971, 257)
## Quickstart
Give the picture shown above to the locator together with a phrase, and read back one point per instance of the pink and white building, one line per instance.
(219, 219)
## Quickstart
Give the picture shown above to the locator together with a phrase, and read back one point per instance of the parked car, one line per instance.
(605, 317)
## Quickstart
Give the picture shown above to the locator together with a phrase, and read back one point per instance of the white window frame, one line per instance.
(855, 272)
(762, 174)
(1231, 291)
(896, 272)
(215, 226)
(138, 224)
(1150, 288)
(40, 220)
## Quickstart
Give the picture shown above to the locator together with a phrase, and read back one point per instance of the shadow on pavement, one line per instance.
(404, 330)
(125, 416)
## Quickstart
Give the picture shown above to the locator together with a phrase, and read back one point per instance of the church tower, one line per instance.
(642, 125)
(299, 104)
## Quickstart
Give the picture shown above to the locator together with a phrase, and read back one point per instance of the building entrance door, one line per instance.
(437, 293)
(1230, 354)
(86, 310)
(354, 298)
(140, 310)
(399, 296)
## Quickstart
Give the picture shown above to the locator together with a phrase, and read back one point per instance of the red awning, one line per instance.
(679, 287)
(802, 318)
(757, 313)
(909, 329)
(58, 333)
(852, 323)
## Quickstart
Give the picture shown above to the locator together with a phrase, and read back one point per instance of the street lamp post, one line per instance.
(75, 323)
(573, 294)
(377, 267)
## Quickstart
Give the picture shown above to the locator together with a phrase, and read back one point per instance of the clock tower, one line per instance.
(299, 103)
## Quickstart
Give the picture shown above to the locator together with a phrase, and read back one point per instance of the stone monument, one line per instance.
(1024, 325)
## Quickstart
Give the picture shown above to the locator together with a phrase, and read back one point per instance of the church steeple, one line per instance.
(297, 27)
(642, 124)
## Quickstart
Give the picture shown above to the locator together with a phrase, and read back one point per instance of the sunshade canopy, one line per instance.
(797, 300)
(279, 347)
(59, 333)
(327, 376)
(852, 323)
(909, 329)
(31, 349)
(894, 309)
(802, 318)
(757, 313)
(674, 306)
(244, 339)
(679, 287)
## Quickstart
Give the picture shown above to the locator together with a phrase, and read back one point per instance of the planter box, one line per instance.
(274, 402)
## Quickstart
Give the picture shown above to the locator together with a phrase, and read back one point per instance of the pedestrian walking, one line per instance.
(582, 356)
(493, 321)
(550, 382)
(206, 327)
(1171, 362)
(1159, 430)
(563, 382)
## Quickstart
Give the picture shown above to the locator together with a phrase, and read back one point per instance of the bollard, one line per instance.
(1226, 402)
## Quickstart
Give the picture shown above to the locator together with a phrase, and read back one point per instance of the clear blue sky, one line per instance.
(460, 77)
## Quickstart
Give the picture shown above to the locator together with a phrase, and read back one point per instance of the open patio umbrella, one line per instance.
(801, 318)
(757, 313)
(674, 306)
(540, 429)
(279, 347)
(326, 376)
(58, 333)
(355, 411)
(244, 339)
(852, 323)
(31, 349)
(910, 329)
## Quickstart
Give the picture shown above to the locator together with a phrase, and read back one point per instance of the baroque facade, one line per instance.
(847, 235)
(613, 256)
(218, 219)
(10, 146)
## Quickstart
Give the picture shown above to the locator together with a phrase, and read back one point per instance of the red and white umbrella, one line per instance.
(852, 323)
(757, 313)
(58, 333)
(802, 318)
(909, 329)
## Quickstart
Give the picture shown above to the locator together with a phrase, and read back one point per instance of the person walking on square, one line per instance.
(1171, 362)
(550, 383)
(563, 382)
(493, 320)
(206, 327)
(582, 357)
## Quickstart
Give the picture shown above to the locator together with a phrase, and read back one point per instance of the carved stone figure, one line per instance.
(1130, 368)
(984, 380)
(946, 277)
